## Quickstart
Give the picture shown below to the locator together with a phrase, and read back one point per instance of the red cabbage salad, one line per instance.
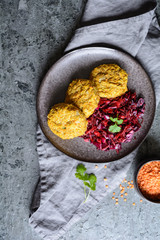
(114, 121)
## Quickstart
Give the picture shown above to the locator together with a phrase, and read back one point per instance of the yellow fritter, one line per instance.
(67, 121)
(110, 80)
(84, 95)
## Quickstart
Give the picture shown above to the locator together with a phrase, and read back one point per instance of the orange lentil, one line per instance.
(131, 181)
(133, 203)
(125, 193)
(121, 195)
(125, 199)
(116, 203)
(141, 200)
(148, 180)
(105, 166)
(105, 179)
(116, 199)
(106, 186)
(113, 193)
(113, 197)
(122, 190)
(96, 166)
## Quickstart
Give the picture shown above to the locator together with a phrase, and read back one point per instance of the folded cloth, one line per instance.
(135, 30)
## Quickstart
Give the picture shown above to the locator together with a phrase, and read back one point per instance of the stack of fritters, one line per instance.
(68, 120)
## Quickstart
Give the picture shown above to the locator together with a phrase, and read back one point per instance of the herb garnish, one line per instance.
(89, 180)
(115, 128)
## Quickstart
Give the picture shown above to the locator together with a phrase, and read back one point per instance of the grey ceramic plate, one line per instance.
(78, 64)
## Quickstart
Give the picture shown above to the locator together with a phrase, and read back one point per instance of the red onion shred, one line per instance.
(126, 107)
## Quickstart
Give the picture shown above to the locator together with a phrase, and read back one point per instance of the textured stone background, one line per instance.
(33, 36)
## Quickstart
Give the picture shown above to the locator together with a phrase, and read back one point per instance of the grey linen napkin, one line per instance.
(130, 28)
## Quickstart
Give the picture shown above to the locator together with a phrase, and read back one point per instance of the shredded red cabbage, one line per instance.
(126, 107)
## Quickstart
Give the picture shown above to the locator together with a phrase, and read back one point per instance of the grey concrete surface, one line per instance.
(33, 36)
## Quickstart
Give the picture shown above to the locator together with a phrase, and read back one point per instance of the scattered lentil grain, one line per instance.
(122, 191)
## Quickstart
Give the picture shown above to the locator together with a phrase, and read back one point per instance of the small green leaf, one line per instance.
(120, 121)
(82, 177)
(89, 180)
(113, 119)
(79, 176)
(93, 187)
(81, 169)
(86, 177)
(92, 179)
(87, 184)
(114, 128)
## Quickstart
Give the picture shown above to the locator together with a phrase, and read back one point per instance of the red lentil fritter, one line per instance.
(110, 80)
(84, 95)
(67, 121)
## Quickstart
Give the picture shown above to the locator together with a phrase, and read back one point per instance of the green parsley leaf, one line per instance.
(89, 180)
(114, 128)
(81, 169)
(113, 119)
(78, 175)
(86, 176)
(92, 179)
(93, 187)
(87, 184)
(120, 121)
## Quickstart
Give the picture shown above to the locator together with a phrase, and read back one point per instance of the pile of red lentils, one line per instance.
(125, 187)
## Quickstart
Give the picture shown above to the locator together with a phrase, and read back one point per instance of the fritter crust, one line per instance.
(84, 95)
(110, 80)
(67, 121)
